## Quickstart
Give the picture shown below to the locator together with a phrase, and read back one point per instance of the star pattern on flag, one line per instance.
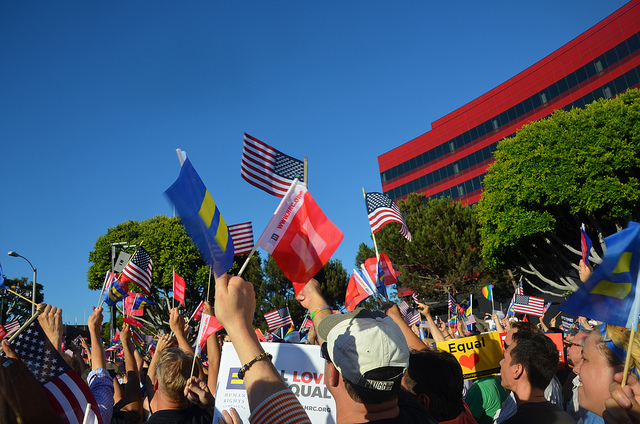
(288, 167)
(39, 356)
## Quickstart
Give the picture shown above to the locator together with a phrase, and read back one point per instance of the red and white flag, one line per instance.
(208, 326)
(528, 305)
(197, 314)
(128, 306)
(267, 168)
(179, 287)
(389, 275)
(242, 236)
(300, 237)
(138, 269)
(357, 291)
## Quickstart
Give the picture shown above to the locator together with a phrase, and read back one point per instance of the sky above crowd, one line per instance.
(96, 97)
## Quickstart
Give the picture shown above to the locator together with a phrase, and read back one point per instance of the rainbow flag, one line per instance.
(487, 292)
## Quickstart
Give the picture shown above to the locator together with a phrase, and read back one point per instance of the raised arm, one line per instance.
(413, 341)
(176, 321)
(435, 331)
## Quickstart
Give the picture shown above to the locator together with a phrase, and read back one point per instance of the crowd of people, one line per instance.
(377, 369)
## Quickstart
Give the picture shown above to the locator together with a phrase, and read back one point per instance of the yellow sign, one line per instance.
(479, 356)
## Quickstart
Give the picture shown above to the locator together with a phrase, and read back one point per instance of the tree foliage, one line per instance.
(445, 251)
(580, 166)
(171, 248)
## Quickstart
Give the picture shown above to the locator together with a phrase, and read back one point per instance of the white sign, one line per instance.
(300, 365)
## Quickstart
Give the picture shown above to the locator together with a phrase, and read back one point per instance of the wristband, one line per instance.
(246, 366)
(313, 314)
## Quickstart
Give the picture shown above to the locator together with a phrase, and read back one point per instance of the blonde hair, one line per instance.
(173, 371)
(620, 338)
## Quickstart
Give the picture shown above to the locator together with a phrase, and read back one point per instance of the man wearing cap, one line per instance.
(366, 356)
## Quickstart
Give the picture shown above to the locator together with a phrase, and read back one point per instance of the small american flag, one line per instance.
(68, 394)
(382, 211)
(12, 326)
(138, 270)
(242, 236)
(528, 305)
(267, 168)
(278, 318)
(411, 316)
(415, 297)
(452, 304)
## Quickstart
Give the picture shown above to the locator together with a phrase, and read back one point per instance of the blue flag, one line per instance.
(610, 294)
(382, 289)
(585, 244)
(115, 294)
(201, 219)
(140, 301)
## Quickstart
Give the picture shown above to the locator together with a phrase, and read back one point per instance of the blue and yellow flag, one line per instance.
(140, 302)
(610, 294)
(115, 293)
(202, 219)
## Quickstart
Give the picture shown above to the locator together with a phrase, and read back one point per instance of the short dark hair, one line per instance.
(538, 355)
(367, 395)
(525, 327)
(436, 374)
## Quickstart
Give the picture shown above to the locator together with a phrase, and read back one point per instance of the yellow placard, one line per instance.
(479, 356)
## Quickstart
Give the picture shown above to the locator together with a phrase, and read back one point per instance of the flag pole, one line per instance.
(21, 296)
(209, 284)
(627, 361)
(448, 309)
(29, 321)
(278, 210)
(305, 172)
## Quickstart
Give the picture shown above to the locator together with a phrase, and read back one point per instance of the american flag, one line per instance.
(382, 211)
(267, 168)
(278, 318)
(68, 394)
(138, 270)
(415, 297)
(307, 323)
(411, 316)
(242, 236)
(528, 305)
(12, 326)
(452, 304)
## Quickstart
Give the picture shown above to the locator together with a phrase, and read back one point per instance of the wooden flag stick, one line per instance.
(557, 315)
(193, 365)
(627, 361)
(209, 285)
(21, 296)
(375, 245)
(26, 324)
(305, 172)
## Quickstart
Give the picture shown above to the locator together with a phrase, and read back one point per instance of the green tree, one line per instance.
(578, 166)
(171, 248)
(445, 252)
(14, 307)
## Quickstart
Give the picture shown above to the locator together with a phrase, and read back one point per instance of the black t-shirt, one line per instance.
(411, 412)
(538, 413)
(189, 415)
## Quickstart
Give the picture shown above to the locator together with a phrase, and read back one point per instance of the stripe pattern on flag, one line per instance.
(278, 318)
(528, 305)
(242, 236)
(267, 168)
(138, 270)
(382, 211)
(67, 393)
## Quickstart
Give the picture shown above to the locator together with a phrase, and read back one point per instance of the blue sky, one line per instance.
(96, 97)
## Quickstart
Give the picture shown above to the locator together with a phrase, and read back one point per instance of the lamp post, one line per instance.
(33, 289)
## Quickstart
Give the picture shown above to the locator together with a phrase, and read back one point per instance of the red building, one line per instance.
(452, 158)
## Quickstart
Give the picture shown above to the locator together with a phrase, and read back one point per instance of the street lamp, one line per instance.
(33, 290)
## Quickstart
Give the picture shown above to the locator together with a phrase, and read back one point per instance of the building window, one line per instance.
(599, 67)
(543, 97)
(607, 92)
(460, 190)
(456, 168)
(452, 146)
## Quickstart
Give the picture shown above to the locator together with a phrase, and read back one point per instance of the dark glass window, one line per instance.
(572, 80)
(562, 85)
(581, 74)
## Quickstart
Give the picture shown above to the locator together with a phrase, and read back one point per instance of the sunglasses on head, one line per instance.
(324, 353)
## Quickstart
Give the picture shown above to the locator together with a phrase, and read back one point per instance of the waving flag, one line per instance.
(115, 293)
(141, 301)
(133, 322)
(197, 314)
(405, 291)
(208, 326)
(487, 292)
(519, 290)
(410, 315)
(452, 304)
(300, 237)
(67, 393)
(128, 306)
(357, 291)
(2, 285)
(388, 273)
(585, 244)
(242, 235)
(267, 168)
(610, 294)
(278, 318)
(383, 211)
(529, 305)
(179, 287)
(202, 219)
(138, 269)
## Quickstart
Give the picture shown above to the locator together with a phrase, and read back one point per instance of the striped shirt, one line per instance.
(101, 385)
(282, 407)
